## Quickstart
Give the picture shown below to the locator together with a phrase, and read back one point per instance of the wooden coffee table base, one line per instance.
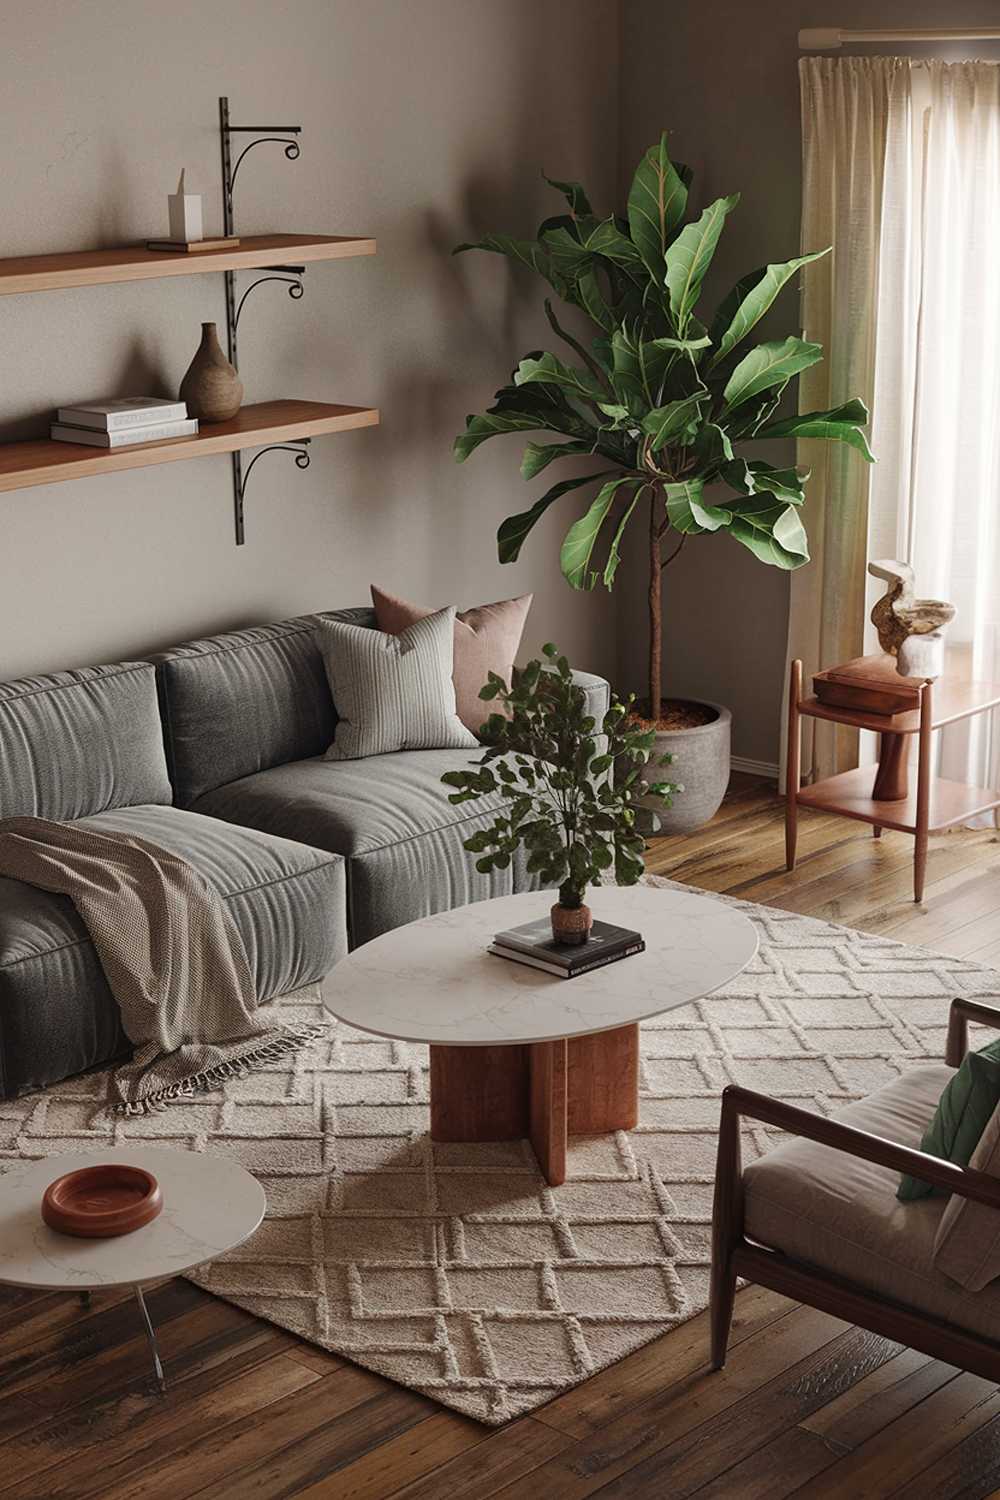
(547, 1091)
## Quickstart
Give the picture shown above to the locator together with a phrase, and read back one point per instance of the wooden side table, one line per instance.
(937, 804)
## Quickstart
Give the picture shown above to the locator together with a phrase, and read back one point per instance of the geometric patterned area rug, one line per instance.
(454, 1269)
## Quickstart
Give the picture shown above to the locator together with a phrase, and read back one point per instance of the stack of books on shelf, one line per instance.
(117, 424)
(532, 944)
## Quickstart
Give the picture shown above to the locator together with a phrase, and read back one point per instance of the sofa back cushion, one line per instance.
(243, 702)
(77, 743)
(967, 1245)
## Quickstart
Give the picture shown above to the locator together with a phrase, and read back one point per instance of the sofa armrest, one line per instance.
(961, 1013)
(739, 1103)
(598, 694)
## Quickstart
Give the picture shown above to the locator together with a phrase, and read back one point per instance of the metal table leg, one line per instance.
(151, 1336)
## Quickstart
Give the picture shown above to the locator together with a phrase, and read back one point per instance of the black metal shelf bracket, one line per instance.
(281, 135)
(290, 275)
(300, 447)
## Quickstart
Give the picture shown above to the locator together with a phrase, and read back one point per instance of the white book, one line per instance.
(129, 411)
(150, 433)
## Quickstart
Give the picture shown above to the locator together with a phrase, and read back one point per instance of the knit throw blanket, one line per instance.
(172, 955)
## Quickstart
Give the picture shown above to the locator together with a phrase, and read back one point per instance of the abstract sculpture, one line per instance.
(909, 628)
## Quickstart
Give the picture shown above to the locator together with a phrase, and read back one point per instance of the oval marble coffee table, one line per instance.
(210, 1205)
(518, 1052)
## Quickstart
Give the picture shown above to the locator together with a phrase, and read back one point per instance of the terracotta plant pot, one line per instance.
(571, 924)
(212, 389)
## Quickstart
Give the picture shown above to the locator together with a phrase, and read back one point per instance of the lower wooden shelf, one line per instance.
(849, 795)
(43, 461)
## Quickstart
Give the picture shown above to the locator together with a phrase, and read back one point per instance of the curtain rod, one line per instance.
(829, 38)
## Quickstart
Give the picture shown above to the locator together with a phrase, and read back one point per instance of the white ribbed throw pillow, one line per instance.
(392, 692)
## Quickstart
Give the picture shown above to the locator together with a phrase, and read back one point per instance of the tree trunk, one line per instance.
(655, 612)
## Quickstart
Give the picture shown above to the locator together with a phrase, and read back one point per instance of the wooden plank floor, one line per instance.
(806, 1406)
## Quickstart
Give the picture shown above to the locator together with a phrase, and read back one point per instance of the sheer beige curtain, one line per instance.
(935, 496)
(846, 109)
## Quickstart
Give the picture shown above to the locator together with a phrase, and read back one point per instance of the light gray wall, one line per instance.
(424, 122)
(721, 76)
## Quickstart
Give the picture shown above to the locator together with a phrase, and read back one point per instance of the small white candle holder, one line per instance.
(185, 214)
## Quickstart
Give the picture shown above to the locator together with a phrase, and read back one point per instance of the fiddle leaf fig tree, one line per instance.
(664, 402)
(550, 760)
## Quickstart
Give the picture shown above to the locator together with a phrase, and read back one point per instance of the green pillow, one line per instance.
(963, 1113)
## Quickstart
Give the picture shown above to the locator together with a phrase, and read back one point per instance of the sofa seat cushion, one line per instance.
(57, 1014)
(841, 1215)
(390, 817)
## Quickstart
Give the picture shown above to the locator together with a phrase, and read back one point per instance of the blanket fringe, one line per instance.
(292, 1039)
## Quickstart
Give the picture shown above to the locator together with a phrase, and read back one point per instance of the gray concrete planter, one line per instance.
(701, 765)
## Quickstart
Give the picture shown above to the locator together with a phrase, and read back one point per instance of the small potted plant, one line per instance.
(570, 788)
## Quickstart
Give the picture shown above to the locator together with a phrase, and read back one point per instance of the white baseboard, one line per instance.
(754, 767)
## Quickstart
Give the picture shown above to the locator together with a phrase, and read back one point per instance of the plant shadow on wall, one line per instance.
(664, 401)
(569, 787)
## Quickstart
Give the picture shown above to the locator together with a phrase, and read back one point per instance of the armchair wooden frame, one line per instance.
(734, 1256)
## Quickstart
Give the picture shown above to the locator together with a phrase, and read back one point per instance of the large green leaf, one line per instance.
(767, 365)
(670, 421)
(690, 256)
(711, 448)
(656, 204)
(528, 252)
(548, 369)
(749, 301)
(569, 258)
(527, 408)
(593, 300)
(614, 553)
(687, 511)
(682, 346)
(492, 424)
(538, 456)
(513, 531)
(744, 422)
(608, 240)
(771, 530)
(599, 373)
(842, 424)
(574, 194)
(578, 547)
(783, 484)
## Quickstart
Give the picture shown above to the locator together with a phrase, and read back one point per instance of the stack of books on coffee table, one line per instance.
(532, 944)
(118, 424)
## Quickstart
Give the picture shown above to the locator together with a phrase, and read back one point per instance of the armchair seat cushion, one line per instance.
(57, 1013)
(389, 816)
(841, 1215)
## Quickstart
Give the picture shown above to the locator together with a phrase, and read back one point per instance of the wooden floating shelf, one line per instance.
(43, 461)
(849, 794)
(49, 273)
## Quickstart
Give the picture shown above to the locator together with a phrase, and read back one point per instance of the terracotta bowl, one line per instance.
(102, 1201)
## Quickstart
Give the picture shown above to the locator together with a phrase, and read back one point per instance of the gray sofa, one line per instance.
(214, 749)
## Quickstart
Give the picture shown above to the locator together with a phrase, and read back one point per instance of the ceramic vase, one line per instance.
(211, 388)
(571, 924)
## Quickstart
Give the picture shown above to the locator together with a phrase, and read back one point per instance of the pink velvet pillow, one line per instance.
(486, 640)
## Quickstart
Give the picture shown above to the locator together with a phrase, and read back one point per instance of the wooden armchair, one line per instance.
(825, 1227)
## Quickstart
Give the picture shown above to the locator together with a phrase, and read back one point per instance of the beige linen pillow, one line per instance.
(486, 640)
(967, 1244)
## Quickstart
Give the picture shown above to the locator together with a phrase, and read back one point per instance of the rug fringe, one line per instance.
(293, 1039)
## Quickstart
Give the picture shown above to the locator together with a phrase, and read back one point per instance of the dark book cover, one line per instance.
(536, 938)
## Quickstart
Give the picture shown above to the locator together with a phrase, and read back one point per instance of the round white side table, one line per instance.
(210, 1205)
(516, 1051)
